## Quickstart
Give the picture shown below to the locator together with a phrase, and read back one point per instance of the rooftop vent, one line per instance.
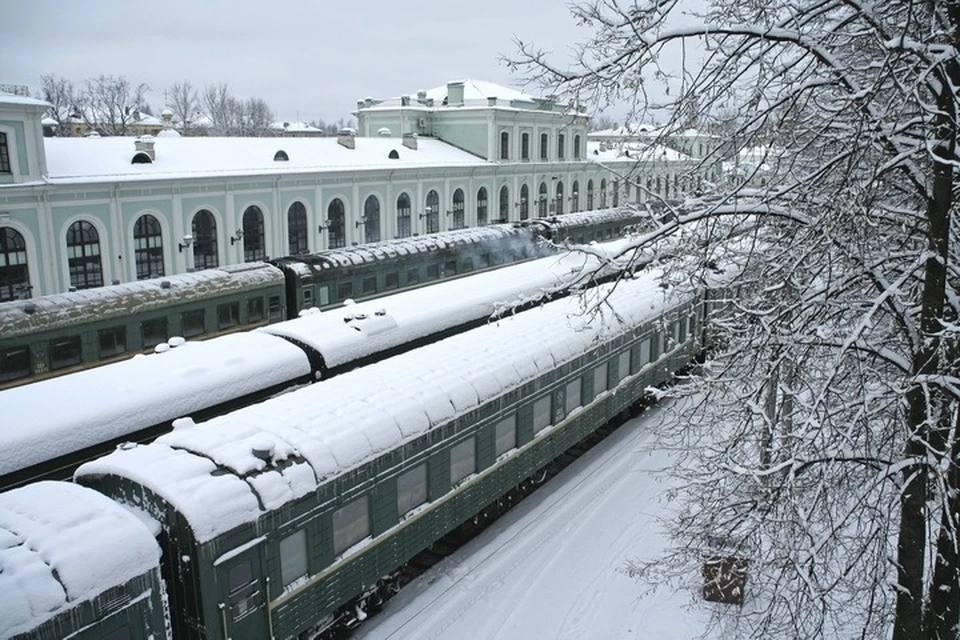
(347, 138)
(144, 145)
(394, 154)
(384, 132)
(410, 141)
(281, 156)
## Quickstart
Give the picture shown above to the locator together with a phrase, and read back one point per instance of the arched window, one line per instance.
(616, 193)
(335, 218)
(542, 198)
(576, 147)
(459, 220)
(371, 219)
(14, 278)
(504, 145)
(4, 154)
(403, 216)
(481, 206)
(297, 229)
(504, 204)
(254, 245)
(558, 200)
(433, 212)
(575, 197)
(524, 202)
(590, 195)
(524, 146)
(204, 230)
(603, 193)
(148, 247)
(83, 256)
(561, 146)
(544, 149)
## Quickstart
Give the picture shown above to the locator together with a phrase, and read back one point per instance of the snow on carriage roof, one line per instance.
(219, 473)
(60, 544)
(23, 317)
(61, 415)
(349, 333)
(76, 160)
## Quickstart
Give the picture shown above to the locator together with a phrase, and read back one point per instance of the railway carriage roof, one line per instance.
(53, 417)
(61, 544)
(60, 310)
(231, 469)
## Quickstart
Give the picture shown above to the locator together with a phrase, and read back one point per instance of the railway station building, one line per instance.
(83, 212)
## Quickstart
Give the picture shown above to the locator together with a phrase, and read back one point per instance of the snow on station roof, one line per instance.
(74, 160)
(219, 473)
(60, 544)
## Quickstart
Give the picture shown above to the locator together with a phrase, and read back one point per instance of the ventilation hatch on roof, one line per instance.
(280, 156)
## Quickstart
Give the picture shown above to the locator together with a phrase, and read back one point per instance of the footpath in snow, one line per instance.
(555, 566)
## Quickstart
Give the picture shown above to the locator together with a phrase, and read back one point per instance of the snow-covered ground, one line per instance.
(555, 566)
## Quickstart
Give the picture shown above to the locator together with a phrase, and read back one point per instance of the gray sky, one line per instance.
(307, 59)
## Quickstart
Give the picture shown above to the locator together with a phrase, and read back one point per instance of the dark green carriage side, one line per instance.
(58, 334)
(300, 580)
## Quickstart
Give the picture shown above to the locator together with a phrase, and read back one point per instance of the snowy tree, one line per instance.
(110, 104)
(59, 92)
(825, 449)
(183, 101)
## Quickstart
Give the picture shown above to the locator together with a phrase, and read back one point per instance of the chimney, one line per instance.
(347, 138)
(404, 101)
(455, 94)
(410, 141)
(145, 144)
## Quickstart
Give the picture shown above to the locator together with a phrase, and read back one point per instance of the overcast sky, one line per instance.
(307, 59)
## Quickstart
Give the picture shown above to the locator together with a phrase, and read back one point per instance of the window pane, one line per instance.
(463, 460)
(254, 310)
(240, 576)
(411, 489)
(112, 341)
(572, 395)
(506, 435)
(193, 323)
(293, 557)
(370, 284)
(623, 365)
(351, 524)
(275, 310)
(541, 414)
(65, 352)
(645, 352)
(154, 331)
(600, 379)
(14, 363)
(228, 315)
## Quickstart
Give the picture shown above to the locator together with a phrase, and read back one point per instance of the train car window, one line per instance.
(450, 268)
(506, 435)
(307, 298)
(682, 330)
(123, 633)
(433, 271)
(411, 489)
(193, 323)
(467, 265)
(370, 284)
(541, 414)
(413, 276)
(228, 315)
(599, 379)
(392, 280)
(623, 364)
(463, 460)
(65, 352)
(274, 309)
(14, 363)
(572, 396)
(293, 557)
(645, 352)
(345, 290)
(351, 524)
(254, 310)
(112, 341)
(483, 260)
(244, 594)
(154, 331)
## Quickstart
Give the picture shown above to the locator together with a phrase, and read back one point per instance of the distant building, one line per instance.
(295, 130)
(84, 212)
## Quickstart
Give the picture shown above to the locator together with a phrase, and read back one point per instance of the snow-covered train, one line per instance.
(57, 334)
(286, 517)
(54, 424)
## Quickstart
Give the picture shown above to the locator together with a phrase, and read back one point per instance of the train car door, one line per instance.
(243, 609)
